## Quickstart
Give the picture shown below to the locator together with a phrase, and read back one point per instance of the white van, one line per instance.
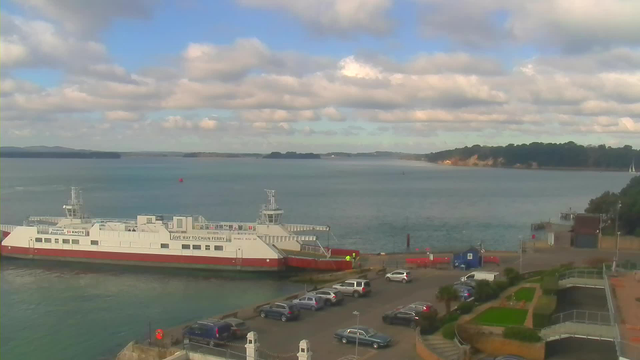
(481, 275)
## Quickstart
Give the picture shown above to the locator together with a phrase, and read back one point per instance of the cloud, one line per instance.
(332, 114)
(32, 43)
(176, 122)
(10, 86)
(333, 17)
(81, 17)
(565, 24)
(208, 124)
(121, 116)
(280, 116)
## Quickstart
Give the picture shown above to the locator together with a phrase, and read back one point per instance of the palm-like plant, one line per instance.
(447, 294)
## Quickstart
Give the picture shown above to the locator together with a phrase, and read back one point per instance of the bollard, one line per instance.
(252, 346)
(304, 352)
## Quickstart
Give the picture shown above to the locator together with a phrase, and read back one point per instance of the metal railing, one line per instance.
(221, 352)
(581, 274)
(582, 316)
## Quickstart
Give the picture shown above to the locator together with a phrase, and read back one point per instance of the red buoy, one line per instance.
(180, 180)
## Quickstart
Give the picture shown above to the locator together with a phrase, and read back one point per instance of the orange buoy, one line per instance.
(159, 334)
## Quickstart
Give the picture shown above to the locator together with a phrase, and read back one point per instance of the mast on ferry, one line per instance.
(270, 214)
(74, 209)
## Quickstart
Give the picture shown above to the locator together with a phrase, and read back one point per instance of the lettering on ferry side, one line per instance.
(181, 237)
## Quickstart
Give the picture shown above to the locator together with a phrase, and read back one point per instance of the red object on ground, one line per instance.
(181, 180)
(491, 259)
(533, 236)
(159, 334)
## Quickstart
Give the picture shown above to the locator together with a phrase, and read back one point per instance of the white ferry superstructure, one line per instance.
(160, 240)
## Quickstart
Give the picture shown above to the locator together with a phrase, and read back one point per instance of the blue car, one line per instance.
(465, 292)
(284, 311)
(364, 335)
(207, 332)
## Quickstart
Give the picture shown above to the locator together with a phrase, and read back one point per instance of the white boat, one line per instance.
(160, 240)
(632, 168)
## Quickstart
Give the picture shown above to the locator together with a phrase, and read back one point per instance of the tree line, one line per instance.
(626, 204)
(566, 155)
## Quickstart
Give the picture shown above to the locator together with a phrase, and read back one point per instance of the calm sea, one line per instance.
(83, 311)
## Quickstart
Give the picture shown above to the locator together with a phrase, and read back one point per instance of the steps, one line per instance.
(571, 329)
(443, 348)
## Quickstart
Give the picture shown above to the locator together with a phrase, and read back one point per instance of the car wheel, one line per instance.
(388, 278)
(386, 321)
(404, 281)
(283, 318)
(375, 345)
(263, 314)
(356, 294)
(327, 302)
(313, 308)
(413, 325)
(344, 340)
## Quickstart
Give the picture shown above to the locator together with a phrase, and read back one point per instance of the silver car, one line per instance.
(309, 301)
(354, 287)
(329, 296)
(399, 275)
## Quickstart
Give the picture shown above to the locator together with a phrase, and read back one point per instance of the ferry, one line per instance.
(186, 241)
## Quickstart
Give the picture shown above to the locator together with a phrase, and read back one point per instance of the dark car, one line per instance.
(420, 306)
(401, 317)
(469, 283)
(207, 332)
(364, 335)
(464, 292)
(284, 311)
(239, 328)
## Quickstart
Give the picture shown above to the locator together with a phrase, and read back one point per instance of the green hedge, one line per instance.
(449, 331)
(542, 311)
(465, 307)
(549, 284)
(448, 318)
(521, 334)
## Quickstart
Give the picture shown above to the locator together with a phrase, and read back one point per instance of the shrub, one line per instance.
(447, 294)
(484, 291)
(542, 311)
(549, 284)
(512, 275)
(500, 286)
(448, 318)
(465, 307)
(520, 333)
(449, 331)
(428, 322)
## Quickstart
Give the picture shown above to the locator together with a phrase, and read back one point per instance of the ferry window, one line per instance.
(149, 220)
(186, 246)
(197, 247)
(94, 242)
(38, 239)
(179, 223)
(47, 240)
(65, 241)
(164, 246)
(75, 242)
(207, 247)
(218, 247)
(57, 241)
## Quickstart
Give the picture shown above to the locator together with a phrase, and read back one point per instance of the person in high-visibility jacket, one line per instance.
(348, 258)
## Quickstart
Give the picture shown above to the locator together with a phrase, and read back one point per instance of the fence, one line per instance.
(220, 352)
(581, 274)
(583, 316)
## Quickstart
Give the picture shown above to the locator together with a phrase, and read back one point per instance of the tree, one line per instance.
(512, 275)
(629, 215)
(484, 291)
(604, 204)
(447, 294)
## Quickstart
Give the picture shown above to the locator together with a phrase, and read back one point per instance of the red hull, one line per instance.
(315, 264)
(145, 259)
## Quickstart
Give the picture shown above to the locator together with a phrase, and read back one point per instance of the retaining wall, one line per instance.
(422, 350)
(626, 243)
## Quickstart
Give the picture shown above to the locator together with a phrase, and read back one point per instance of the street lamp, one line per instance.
(520, 254)
(617, 233)
(357, 314)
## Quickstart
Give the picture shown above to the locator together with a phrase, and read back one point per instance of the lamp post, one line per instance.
(617, 233)
(357, 314)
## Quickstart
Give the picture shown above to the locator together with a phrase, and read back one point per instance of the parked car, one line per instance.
(465, 292)
(399, 275)
(481, 275)
(207, 332)
(329, 295)
(364, 335)
(402, 317)
(354, 287)
(239, 328)
(311, 302)
(469, 283)
(284, 311)
(420, 306)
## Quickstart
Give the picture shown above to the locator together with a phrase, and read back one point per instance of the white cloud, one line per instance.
(121, 116)
(276, 115)
(334, 17)
(332, 114)
(81, 16)
(176, 122)
(208, 124)
(350, 67)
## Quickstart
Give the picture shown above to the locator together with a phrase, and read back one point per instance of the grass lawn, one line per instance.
(524, 293)
(498, 316)
(535, 280)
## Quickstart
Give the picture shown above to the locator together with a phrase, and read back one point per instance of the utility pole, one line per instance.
(617, 233)
(357, 314)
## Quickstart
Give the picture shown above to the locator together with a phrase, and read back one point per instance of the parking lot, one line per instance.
(318, 327)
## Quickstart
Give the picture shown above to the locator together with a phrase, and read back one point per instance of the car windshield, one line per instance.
(369, 332)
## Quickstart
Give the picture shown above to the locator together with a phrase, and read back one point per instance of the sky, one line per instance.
(318, 75)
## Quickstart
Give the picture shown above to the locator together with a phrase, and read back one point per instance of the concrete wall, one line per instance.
(626, 243)
(496, 345)
(140, 352)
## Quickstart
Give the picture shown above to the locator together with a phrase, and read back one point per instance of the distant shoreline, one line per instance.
(524, 168)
